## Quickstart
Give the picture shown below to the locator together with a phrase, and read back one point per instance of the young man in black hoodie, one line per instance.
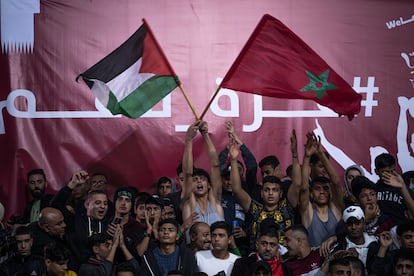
(168, 255)
(104, 248)
(23, 261)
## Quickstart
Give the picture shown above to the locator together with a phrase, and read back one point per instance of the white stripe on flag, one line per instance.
(122, 85)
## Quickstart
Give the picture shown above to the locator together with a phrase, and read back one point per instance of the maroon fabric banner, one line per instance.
(49, 121)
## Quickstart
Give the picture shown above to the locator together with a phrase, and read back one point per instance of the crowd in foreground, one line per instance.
(309, 221)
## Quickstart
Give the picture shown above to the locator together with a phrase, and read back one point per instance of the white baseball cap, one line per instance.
(353, 212)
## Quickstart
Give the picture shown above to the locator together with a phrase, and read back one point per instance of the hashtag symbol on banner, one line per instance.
(370, 90)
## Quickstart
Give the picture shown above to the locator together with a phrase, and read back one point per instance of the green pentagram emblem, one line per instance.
(318, 84)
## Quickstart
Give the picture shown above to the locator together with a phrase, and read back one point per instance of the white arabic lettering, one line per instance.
(398, 22)
(101, 112)
(165, 112)
(406, 58)
(31, 111)
(403, 147)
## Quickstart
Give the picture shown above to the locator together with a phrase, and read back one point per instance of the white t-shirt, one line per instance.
(362, 249)
(211, 265)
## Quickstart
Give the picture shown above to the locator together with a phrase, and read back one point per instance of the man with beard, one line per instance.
(320, 206)
(36, 188)
(36, 184)
(23, 261)
(267, 249)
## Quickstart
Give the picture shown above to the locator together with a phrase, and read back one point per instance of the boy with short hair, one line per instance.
(168, 255)
(219, 258)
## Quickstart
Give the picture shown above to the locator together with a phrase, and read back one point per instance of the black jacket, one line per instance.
(78, 228)
(186, 262)
(28, 264)
(244, 266)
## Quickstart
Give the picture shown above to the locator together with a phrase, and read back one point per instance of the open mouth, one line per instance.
(101, 212)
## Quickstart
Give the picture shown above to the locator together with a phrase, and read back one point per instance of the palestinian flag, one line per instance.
(134, 77)
(275, 62)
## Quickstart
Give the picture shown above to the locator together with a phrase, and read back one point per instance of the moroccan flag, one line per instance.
(275, 62)
(134, 77)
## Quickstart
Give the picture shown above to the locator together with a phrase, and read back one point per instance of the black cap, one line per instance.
(154, 199)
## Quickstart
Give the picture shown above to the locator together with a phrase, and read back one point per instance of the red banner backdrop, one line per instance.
(49, 121)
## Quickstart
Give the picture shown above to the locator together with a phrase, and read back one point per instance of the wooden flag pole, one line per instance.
(209, 103)
(189, 102)
(171, 69)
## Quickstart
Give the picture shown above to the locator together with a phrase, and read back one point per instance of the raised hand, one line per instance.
(385, 239)
(326, 246)
(238, 232)
(189, 221)
(78, 178)
(371, 211)
(294, 143)
(192, 131)
(393, 179)
(234, 149)
(230, 129)
(203, 127)
(312, 144)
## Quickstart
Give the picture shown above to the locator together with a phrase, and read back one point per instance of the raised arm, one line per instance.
(395, 180)
(248, 158)
(295, 187)
(310, 148)
(242, 196)
(337, 191)
(188, 162)
(215, 175)
(63, 195)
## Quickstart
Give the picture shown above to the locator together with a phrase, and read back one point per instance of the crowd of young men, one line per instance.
(222, 221)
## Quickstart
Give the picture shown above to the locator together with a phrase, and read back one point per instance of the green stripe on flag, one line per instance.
(143, 97)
